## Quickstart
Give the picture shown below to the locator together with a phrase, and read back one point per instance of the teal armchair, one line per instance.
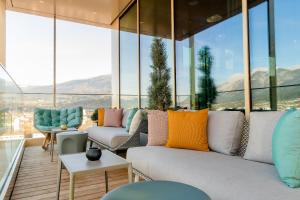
(47, 119)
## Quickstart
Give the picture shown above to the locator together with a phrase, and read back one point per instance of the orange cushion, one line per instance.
(101, 112)
(188, 130)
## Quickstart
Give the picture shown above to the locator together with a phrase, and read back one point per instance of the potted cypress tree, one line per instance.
(159, 91)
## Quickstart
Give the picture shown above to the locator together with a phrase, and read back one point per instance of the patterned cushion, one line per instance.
(157, 128)
(126, 112)
(113, 117)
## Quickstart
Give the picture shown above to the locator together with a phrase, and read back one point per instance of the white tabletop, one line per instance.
(78, 163)
(59, 130)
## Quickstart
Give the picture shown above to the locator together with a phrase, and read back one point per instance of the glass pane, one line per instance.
(88, 102)
(11, 127)
(83, 54)
(129, 54)
(209, 54)
(259, 56)
(29, 60)
(155, 22)
(129, 101)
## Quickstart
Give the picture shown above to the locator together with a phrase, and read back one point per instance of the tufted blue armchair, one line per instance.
(47, 119)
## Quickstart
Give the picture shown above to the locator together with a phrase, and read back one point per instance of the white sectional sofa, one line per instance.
(116, 138)
(222, 173)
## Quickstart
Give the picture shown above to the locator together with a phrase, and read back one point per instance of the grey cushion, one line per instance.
(136, 120)
(221, 176)
(262, 125)
(109, 136)
(126, 112)
(225, 130)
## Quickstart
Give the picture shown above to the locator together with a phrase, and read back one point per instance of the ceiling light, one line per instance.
(41, 1)
(94, 12)
(193, 2)
(214, 18)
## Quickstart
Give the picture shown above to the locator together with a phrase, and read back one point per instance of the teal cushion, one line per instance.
(55, 115)
(130, 117)
(286, 148)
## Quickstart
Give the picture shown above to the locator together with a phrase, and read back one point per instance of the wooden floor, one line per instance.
(37, 179)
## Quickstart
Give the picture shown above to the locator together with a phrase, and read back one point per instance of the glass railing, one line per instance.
(11, 119)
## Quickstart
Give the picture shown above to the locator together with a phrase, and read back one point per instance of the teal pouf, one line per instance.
(158, 190)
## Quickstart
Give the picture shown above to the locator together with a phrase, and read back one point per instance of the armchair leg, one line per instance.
(46, 141)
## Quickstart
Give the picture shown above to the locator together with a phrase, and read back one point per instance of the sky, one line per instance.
(83, 51)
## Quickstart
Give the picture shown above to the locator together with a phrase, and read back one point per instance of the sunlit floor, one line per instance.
(37, 179)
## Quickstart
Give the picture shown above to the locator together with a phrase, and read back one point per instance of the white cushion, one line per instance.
(225, 130)
(221, 176)
(125, 117)
(135, 122)
(262, 125)
(109, 136)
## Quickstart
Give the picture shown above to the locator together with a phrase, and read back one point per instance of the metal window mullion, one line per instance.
(173, 52)
(54, 54)
(139, 60)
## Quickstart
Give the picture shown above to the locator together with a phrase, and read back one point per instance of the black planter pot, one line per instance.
(93, 154)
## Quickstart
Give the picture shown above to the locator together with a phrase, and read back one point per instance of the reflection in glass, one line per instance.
(199, 26)
(129, 57)
(274, 46)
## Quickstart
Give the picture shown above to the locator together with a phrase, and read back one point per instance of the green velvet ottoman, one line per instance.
(156, 190)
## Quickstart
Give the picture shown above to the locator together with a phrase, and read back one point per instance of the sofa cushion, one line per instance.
(286, 148)
(188, 130)
(225, 131)
(109, 136)
(221, 176)
(136, 120)
(157, 128)
(113, 117)
(262, 126)
(130, 118)
(126, 112)
(101, 112)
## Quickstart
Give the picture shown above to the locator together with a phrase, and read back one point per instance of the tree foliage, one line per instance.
(208, 91)
(159, 91)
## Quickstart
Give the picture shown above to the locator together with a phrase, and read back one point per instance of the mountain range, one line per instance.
(259, 79)
(96, 85)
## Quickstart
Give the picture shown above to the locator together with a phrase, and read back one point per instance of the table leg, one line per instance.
(71, 187)
(106, 182)
(52, 146)
(130, 173)
(58, 179)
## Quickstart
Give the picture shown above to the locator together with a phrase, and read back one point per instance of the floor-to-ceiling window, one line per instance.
(129, 61)
(209, 54)
(274, 54)
(155, 22)
(29, 60)
(83, 67)
(78, 53)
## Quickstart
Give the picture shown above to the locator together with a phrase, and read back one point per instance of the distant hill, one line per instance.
(100, 84)
(260, 78)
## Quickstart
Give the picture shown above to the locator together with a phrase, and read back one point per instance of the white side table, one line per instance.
(78, 164)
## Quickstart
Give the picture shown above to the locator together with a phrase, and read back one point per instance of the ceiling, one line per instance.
(95, 12)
